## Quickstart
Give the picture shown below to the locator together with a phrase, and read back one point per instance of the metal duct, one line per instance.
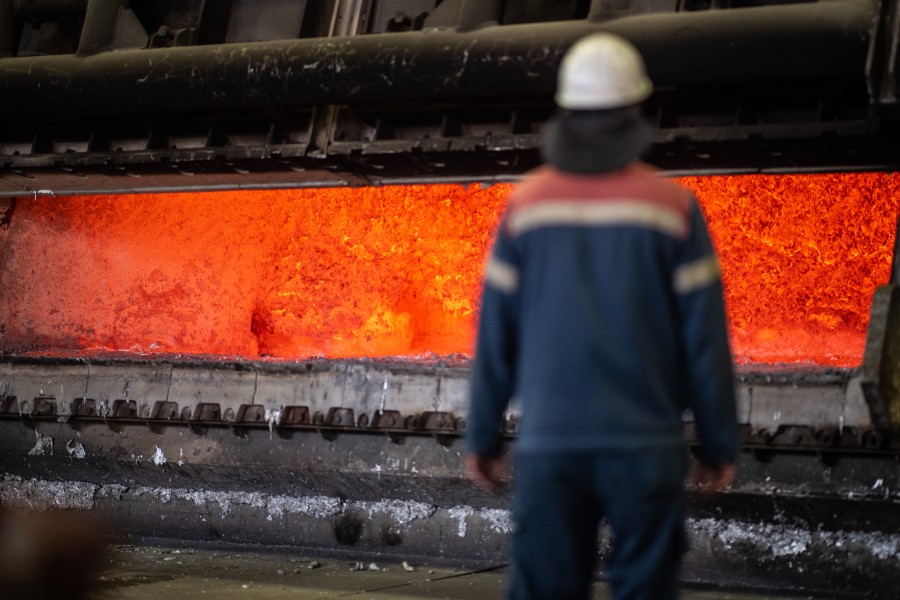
(828, 39)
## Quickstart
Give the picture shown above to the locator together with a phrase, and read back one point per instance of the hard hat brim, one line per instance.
(592, 100)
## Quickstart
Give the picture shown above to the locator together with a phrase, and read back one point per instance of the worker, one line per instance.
(602, 315)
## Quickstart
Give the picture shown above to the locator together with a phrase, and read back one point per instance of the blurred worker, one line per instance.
(603, 314)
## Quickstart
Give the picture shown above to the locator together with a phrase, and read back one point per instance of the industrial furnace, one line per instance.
(241, 247)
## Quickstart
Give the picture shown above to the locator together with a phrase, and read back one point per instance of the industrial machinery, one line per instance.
(110, 97)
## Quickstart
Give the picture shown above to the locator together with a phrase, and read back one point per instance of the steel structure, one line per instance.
(112, 96)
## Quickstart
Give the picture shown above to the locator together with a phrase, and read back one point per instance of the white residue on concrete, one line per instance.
(75, 449)
(112, 490)
(460, 514)
(273, 418)
(159, 459)
(317, 506)
(275, 505)
(198, 497)
(881, 546)
(774, 540)
(43, 445)
(39, 494)
(498, 519)
(402, 512)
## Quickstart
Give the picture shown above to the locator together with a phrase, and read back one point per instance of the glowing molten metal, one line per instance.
(801, 257)
(397, 270)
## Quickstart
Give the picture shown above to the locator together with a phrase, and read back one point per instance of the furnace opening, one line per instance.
(396, 271)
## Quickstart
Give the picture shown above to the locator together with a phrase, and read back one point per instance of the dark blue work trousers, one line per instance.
(558, 503)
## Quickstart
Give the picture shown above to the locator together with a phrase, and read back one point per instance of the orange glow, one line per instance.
(396, 271)
(288, 273)
(801, 257)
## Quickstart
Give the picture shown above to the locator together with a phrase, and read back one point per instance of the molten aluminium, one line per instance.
(396, 271)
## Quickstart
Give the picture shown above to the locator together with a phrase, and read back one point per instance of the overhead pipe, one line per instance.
(797, 42)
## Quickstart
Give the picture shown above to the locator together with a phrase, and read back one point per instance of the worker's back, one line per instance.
(601, 262)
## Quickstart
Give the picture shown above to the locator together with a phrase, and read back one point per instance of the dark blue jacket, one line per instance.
(603, 314)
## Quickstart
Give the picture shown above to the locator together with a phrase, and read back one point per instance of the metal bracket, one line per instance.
(880, 379)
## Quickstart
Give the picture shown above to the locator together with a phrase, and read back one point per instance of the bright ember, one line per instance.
(396, 271)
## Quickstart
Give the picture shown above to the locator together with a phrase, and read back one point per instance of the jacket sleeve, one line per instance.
(710, 376)
(494, 366)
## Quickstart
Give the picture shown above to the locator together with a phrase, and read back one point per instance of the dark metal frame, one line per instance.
(795, 87)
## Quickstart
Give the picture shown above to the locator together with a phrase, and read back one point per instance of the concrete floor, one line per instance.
(152, 572)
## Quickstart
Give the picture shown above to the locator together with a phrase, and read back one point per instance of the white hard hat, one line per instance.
(602, 71)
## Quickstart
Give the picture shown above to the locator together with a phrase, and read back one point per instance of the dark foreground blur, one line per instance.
(49, 555)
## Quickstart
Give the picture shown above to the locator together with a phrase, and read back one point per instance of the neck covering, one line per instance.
(588, 142)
